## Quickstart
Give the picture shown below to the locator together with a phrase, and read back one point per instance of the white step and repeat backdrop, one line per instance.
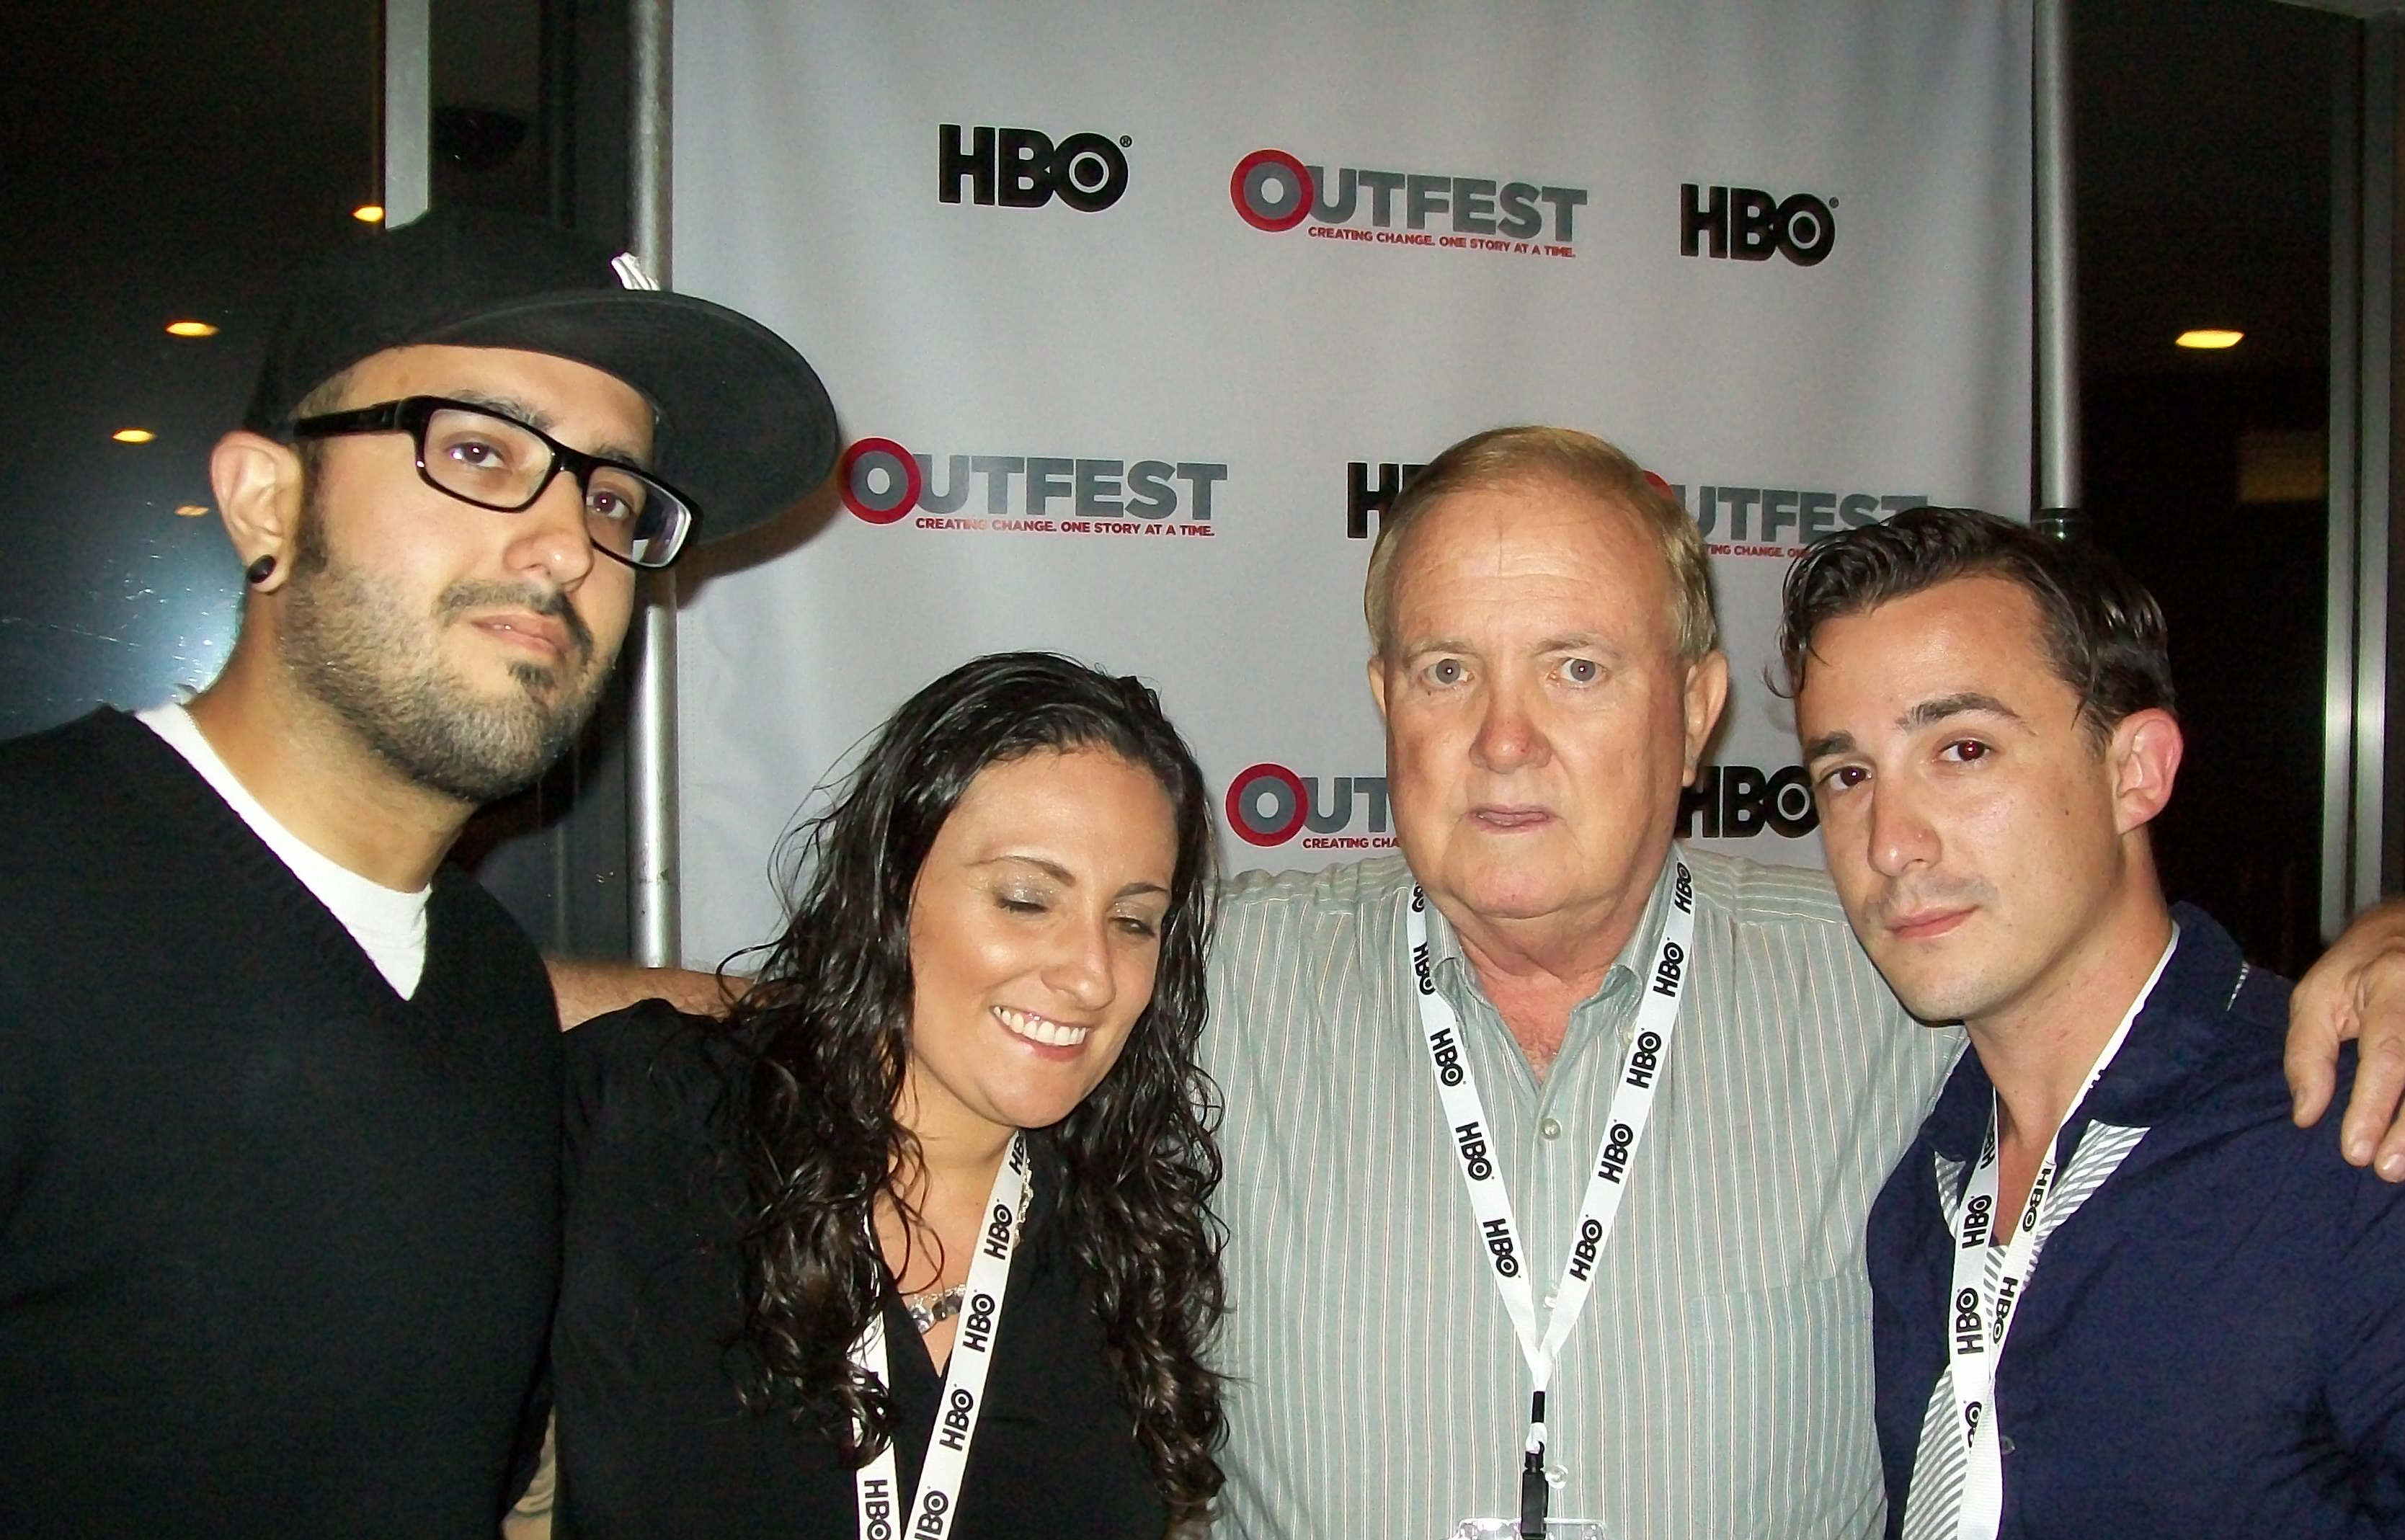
(1137, 314)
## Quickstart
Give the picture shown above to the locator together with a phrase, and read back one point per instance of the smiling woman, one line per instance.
(1034, 936)
(958, 1117)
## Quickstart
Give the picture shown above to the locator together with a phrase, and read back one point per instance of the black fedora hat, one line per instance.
(745, 428)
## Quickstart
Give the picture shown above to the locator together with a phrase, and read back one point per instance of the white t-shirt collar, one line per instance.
(389, 925)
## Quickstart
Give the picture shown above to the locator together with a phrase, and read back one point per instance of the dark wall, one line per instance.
(164, 162)
(2203, 135)
(179, 161)
(2242, 588)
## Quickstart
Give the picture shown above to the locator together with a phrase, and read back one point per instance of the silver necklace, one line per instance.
(930, 1308)
(937, 1305)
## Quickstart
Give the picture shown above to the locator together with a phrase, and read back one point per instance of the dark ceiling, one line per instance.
(2204, 147)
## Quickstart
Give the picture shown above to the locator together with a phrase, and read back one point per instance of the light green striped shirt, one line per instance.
(1719, 1384)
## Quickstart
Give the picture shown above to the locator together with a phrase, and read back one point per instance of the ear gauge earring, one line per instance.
(260, 571)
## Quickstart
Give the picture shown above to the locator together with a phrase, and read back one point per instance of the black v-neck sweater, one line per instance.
(277, 1248)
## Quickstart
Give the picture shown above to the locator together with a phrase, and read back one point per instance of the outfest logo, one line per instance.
(883, 481)
(1736, 521)
(1779, 521)
(1269, 804)
(1275, 191)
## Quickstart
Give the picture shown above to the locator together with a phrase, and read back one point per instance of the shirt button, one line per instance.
(1553, 1297)
(1551, 1127)
(2004, 1444)
(1557, 1475)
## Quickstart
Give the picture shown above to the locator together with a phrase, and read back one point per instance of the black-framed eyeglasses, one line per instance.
(479, 457)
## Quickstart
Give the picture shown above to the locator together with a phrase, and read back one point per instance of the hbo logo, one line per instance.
(1750, 224)
(1022, 168)
(1739, 801)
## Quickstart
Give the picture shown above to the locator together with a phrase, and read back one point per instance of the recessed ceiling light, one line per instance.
(2208, 337)
(190, 328)
(133, 435)
(369, 214)
(191, 511)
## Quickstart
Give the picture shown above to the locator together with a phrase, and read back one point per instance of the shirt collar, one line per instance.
(2184, 1023)
(1459, 982)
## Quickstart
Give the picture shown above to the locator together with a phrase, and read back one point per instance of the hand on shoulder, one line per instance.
(586, 989)
(2356, 990)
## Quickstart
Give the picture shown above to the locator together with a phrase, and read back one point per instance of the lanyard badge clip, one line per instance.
(1533, 1495)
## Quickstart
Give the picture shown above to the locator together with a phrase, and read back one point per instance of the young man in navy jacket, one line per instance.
(2116, 1290)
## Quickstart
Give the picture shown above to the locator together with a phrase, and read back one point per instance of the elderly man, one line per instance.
(1435, 1108)
(279, 1091)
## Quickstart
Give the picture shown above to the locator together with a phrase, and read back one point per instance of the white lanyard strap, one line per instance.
(1979, 1319)
(1472, 1138)
(963, 1400)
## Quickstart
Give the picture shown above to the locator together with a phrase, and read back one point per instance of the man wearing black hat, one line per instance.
(279, 1091)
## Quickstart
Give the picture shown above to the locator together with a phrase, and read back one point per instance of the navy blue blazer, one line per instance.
(2215, 1343)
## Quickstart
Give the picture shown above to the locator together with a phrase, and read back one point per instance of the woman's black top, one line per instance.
(653, 1439)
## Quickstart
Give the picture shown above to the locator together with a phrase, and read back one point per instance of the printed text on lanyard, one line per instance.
(963, 1400)
(1980, 1321)
(1499, 1232)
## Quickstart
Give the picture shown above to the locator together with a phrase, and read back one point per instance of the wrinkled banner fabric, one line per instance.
(1137, 317)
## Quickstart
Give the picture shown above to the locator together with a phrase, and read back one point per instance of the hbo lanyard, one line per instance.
(964, 1396)
(1499, 1232)
(1980, 1319)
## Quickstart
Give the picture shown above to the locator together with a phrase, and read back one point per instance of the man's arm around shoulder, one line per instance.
(586, 989)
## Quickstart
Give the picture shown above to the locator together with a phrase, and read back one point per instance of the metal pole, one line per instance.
(558, 66)
(2345, 412)
(2058, 276)
(652, 661)
(2377, 374)
(408, 109)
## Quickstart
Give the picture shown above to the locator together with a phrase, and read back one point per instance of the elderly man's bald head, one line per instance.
(1564, 458)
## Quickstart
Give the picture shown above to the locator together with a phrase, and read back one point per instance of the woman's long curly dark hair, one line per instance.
(827, 1025)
